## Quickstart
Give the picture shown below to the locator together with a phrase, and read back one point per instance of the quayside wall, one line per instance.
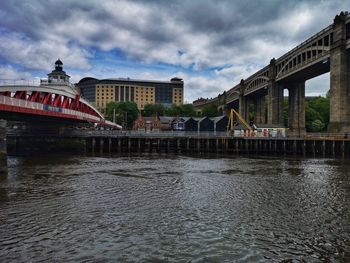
(333, 148)
(102, 142)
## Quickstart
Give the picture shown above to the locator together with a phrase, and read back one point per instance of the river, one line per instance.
(172, 208)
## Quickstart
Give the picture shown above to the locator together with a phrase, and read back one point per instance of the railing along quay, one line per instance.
(83, 133)
(108, 141)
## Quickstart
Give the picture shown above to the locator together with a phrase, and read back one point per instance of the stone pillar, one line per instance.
(275, 104)
(340, 73)
(297, 108)
(3, 148)
(259, 110)
(275, 98)
(243, 107)
(243, 102)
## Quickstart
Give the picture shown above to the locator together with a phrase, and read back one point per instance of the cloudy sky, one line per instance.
(210, 44)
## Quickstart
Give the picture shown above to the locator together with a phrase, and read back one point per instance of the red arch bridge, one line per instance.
(48, 104)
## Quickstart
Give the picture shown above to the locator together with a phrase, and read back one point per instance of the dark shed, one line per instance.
(220, 123)
(206, 124)
(191, 124)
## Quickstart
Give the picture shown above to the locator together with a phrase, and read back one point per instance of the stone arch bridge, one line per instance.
(326, 51)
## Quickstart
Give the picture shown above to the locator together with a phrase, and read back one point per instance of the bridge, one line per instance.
(53, 105)
(326, 51)
(53, 101)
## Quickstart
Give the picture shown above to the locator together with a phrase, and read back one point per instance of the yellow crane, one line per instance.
(231, 120)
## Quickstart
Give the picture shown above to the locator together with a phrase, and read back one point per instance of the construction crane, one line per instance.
(232, 115)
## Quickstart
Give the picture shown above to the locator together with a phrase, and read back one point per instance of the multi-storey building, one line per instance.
(142, 92)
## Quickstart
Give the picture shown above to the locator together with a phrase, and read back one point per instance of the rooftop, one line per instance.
(172, 81)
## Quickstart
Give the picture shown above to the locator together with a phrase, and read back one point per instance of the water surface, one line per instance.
(161, 208)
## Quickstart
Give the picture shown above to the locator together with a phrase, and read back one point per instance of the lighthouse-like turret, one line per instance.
(58, 75)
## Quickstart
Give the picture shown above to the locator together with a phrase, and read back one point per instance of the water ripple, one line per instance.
(159, 208)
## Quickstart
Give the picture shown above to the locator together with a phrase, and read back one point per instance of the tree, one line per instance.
(188, 110)
(109, 110)
(317, 126)
(174, 110)
(153, 109)
(209, 111)
(125, 112)
(321, 105)
(251, 111)
(317, 109)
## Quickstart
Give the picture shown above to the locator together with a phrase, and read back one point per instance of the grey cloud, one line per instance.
(209, 33)
(161, 25)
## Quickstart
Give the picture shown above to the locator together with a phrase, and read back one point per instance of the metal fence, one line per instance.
(84, 132)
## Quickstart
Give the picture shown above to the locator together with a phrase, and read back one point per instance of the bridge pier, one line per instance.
(274, 98)
(275, 104)
(297, 109)
(340, 78)
(3, 148)
(259, 117)
(243, 106)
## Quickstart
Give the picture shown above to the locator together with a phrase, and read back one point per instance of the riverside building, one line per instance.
(142, 92)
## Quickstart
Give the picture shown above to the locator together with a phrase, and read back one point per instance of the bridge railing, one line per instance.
(39, 106)
(306, 42)
(20, 103)
(19, 82)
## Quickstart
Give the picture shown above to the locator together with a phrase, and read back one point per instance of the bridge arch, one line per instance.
(257, 82)
(301, 58)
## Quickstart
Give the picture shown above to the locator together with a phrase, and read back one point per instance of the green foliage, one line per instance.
(109, 110)
(251, 111)
(321, 105)
(317, 114)
(124, 111)
(174, 110)
(153, 109)
(185, 110)
(209, 111)
(317, 126)
(188, 110)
